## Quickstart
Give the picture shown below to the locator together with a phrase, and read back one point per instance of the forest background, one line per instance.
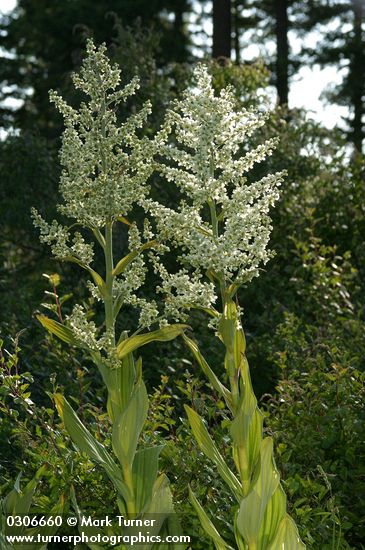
(303, 317)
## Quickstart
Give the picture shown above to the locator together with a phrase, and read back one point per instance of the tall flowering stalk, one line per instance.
(106, 166)
(222, 228)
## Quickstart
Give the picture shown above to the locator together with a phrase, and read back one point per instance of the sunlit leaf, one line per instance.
(124, 262)
(128, 425)
(287, 536)
(145, 470)
(162, 335)
(213, 379)
(87, 444)
(61, 331)
(253, 506)
(209, 448)
(207, 524)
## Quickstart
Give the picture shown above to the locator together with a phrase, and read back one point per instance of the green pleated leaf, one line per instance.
(124, 262)
(161, 510)
(207, 525)
(145, 470)
(232, 336)
(227, 328)
(87, 444)
(18, 501)
(274, 513)
(128, 426)
(246, 432)
(119, 382)
(98, 280)
(239, 348)
(241, 545)
(88, 530)
(213, 379)
(253, 507)
(209, 448)
(163, 335)
(99, 237)
(287, 536)
(74, 260)
(61, 331)
(161, 502)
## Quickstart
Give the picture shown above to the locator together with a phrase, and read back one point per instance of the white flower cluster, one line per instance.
(222, 222)
(105, 164)
(58, 237)
(134, 277)
(184, 291)
(84, 331)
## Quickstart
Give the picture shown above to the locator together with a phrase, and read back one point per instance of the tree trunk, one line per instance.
(282, 51)
(357, 75)
(236, 32)
(181, 6)
(221, 29)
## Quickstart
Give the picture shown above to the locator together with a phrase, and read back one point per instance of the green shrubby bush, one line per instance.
(317, 416)
(32, 436)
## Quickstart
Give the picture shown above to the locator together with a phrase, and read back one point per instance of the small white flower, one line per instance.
(84, 331)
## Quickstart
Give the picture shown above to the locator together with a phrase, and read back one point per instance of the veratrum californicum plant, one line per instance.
(106, 167)
(222, 226)
(105, 171)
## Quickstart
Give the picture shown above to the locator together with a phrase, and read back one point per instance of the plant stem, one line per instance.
(130, 503)
(215, 229)
(109, 278)
(231, 366)
(233, 381)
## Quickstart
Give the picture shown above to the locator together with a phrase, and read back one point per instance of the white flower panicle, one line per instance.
(105, 164)
(222, 223)
(85, 334)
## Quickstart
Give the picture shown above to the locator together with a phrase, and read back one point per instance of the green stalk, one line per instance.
(109, 278)
(230, 360)
(213, 217)
(233, 380)
(130, 503)
(110, 327)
